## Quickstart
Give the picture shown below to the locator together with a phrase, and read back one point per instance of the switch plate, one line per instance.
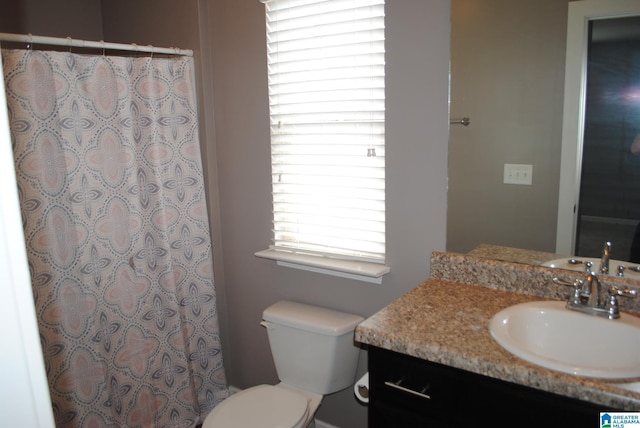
(518, 174)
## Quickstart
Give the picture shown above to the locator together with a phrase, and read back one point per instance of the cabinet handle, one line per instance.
(396, 385)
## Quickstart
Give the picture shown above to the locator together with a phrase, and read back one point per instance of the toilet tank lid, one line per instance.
(311, 318)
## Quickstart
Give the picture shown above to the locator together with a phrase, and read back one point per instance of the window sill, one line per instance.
(360, 271)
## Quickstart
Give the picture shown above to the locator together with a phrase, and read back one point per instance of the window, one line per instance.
(327, 110)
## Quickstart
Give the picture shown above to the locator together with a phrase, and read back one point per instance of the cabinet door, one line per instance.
(386, 415)
(529, 407)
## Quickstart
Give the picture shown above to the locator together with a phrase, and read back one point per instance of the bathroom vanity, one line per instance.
(433, 362)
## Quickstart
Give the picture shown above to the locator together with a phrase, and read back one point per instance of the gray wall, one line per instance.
(59, 18)
(417, 84)
(229, 39)
(507, 75)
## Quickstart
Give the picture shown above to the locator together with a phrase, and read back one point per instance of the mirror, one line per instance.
(599, 192)
(507, 76)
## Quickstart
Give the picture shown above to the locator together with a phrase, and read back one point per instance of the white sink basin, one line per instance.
(549, 335)
(578, 263)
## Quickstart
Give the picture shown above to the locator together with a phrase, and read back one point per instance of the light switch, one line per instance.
(518, 174)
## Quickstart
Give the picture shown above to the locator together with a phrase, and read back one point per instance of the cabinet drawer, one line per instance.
(411, 384)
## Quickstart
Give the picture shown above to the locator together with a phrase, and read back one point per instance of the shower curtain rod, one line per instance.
(58, 41)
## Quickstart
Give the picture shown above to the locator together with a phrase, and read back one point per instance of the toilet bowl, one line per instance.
(314, 355)
(265, 406)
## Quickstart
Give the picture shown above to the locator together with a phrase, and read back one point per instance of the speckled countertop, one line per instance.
(446, 318)
(509, 254)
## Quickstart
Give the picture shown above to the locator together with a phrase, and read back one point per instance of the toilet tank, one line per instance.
(313, 348)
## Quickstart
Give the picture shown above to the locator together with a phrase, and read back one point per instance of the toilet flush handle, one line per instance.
(263, 323)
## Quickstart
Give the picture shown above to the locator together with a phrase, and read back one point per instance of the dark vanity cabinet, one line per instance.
(409, 392)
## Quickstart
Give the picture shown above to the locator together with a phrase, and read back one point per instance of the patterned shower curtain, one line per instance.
(112, 193)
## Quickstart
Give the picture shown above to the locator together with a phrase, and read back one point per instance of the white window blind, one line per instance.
(327, 109)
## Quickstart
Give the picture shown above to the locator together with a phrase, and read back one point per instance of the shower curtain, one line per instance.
(112, 194)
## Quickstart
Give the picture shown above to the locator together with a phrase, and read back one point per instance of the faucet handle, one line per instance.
(623, 292)
(577, 285)
(612, 305)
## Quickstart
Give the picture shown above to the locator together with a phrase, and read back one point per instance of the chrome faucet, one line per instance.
(591, 288)
(604, 260)
(586, 297)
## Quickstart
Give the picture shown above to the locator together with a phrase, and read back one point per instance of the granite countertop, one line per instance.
(509, 254)
(446, 321)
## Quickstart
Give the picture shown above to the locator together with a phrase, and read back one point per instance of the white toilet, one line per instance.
(314, 355)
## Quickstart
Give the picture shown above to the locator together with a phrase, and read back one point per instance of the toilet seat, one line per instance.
(264, 406)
